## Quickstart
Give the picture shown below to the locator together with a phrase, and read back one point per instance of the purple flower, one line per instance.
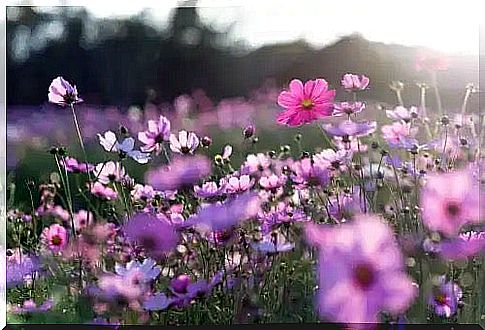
(99, 190)
(255, 163)
(272, 182)
(354, 82)
(445, 298)
(347, 108)
(109, 172)
(222, 216)
(29, 306)
(157, 236)
(147, 270)
(337, 160)
(73, 166)
(466, 245)
(447, 210)
(401, 113)
(157, 302)
(351, 128)
(62, 93)
(125, 148)
(182, 171)
(157, 133)
(20, 267)
(399, 135)
(270, 247)
(248, 131)
(186, 143)
(236, 185)
(209, 189)
(143, 192)
(307, 173)
(360, 271)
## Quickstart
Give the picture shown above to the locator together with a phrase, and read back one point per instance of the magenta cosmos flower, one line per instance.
(61, 92)
(157, 133)
(360, 271)
(450, 200)
(354, 82)
(305, 103)
(54, 237)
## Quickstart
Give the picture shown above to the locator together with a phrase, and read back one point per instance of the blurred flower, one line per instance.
(20, 267)
(266, 245)
(54, 237)
(157, 302)
(350, 128)
(447, 210)
(401, 113)
(73, 166)
(347, 108)
(221, 216)
(109, 172)
(99, 190)
(307, 173)
(431, 62)
(147, 271)
(305, 103)
(445, 298)
(186, 143)
(62, 93)
(157, 236)
(182, 171)
(360, 271)
(464, 246)
(354, 82)
(82, 219)
(157, 133)
(399, 135)
(29, 306)
(248, 131)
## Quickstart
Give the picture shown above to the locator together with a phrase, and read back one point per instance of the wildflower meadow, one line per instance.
(156, 221)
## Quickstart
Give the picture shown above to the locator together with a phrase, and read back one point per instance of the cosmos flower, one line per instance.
(360, 271)
(125, 148)
(268, 246)
(272, 181)
(399, 135)
(147, 270)
(54, 237)
(401, 113)
(82, 219)
(157, 133)
(186, 143)
(158, 302)
(109, 172)
(182, 171)
(255, 163)
(337, 160)
(350, 128)
(447, 210)
(347, 108)
(99, 190)
(143, 192)
(237, 184)
(20, 267)
(353, 82)
(445, 297)
(209, 189)
(157, 236)
(464, 246)
(73, 166)
(223, 216)
(308, 173)
(305, 103)
(62, 93)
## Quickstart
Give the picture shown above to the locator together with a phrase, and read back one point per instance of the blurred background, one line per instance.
(215, 67)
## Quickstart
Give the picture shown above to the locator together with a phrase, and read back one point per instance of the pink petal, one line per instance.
(296, 88)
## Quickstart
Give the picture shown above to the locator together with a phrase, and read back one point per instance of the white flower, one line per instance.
(147, 270)
(186, 143)
(111, 144)
(110, 171)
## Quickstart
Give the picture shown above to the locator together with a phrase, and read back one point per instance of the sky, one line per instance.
(446, 26)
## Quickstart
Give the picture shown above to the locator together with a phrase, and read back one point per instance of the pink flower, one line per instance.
(186, 143)
(155, 135)
(55, 237)
(101, 191)
(272, 181)
(347, 108)
(354, 82)
(360, 271)
(305, 103)
(62, 93)
(82, 219)
(449, 201)
(109, 172)
(399, 134)
(235, 185)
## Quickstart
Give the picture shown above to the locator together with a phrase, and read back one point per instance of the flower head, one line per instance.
(305, 103)
(450, 200)
(109, 172)
(445, 298)
(354, 82)
(350, 128)
(401, 113)
(54, 237)
(399, 135)
(360, 271)
(186, 143)
(155, 135)
(62, 93)
(73, 166)
(99, 190)
(347, 108)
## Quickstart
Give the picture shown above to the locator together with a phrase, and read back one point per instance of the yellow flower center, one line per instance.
(307, 104)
